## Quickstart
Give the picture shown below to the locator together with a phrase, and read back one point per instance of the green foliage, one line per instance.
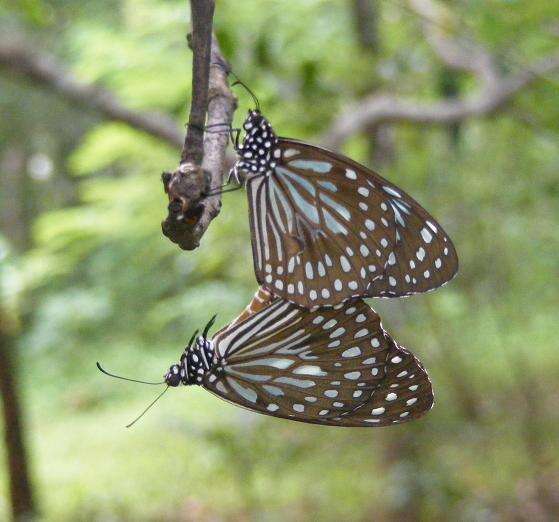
(100, 282)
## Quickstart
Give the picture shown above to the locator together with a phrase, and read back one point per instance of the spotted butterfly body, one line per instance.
(326, 229)
(334, 366)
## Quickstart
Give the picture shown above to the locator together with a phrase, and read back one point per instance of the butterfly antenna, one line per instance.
(192, 338)
(146, 410)
(101, 369)
(208, 326)
(247, 89)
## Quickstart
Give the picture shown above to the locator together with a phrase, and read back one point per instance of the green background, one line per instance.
(86, 274)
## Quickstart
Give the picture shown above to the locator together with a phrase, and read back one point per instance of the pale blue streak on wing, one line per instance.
(277, 196)
(275, 209)
(391, 191)
(279, 244)
(328, 185)
(238, 338)
(307, 209)
(318, 166)
(298, 179)
(248, 376)
(397, 215)
(333, 224)
(254, 209)
(290, 318)
(276, 362)
(247, 393)
(340, 209)
(300, 383)
(277, 392)
(283, 347)
(262, 219)
(402, 205)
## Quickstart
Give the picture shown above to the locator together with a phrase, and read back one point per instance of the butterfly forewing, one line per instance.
(326, 228)
(320, 366)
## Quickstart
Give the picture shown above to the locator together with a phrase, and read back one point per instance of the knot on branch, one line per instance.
(186, 188)
(202, 168)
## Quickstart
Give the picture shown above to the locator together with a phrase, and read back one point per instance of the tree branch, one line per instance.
(496, 91)
(365, 16)
(45, 71)
(200, 40)
(203, 154)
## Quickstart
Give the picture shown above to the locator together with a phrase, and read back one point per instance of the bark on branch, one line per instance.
(200, 41)
(203, 153)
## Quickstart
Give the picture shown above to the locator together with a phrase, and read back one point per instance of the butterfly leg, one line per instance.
(222, 190)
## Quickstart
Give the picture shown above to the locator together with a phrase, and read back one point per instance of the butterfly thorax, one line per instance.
(195, 362)
(259, 151)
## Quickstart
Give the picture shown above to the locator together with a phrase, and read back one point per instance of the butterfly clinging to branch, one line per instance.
(325, 228)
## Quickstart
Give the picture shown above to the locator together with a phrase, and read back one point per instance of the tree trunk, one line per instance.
(365, 16)
(450, 88)
(15, 224)
(20, 488)
(15, 189)
(366, 20)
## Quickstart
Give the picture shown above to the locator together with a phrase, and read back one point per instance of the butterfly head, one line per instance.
(195, 361)
(173, 376)
(258, 152)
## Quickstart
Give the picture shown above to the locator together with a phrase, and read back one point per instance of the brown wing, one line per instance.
(328, 366)
(261, 299)
(325, 228)
(404, 394)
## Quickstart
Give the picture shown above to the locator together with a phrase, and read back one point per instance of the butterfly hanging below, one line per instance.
(333, 366)
(325, 228)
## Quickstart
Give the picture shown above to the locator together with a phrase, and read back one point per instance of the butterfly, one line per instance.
(333, 366)
(325, 228)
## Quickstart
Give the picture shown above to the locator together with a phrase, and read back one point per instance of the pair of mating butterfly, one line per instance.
(326, 232)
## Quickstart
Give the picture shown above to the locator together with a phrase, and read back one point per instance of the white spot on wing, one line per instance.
(351, 352)
(426, 235)
(309, 370)
(391, 191)
(290, 152)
